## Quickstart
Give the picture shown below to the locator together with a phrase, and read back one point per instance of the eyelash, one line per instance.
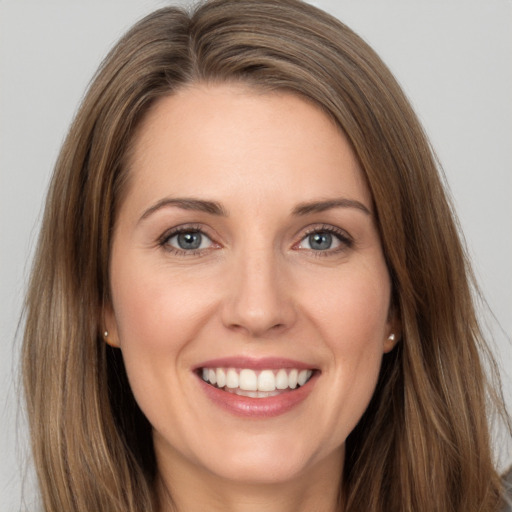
(163, 241)
(346, 242)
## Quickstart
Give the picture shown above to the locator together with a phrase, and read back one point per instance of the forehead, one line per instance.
(212, 139)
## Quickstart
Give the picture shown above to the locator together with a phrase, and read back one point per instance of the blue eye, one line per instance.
(191, 240)
(320, 241)
(327, 239)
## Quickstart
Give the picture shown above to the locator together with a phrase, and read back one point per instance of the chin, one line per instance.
(263, 459)
(260, 470)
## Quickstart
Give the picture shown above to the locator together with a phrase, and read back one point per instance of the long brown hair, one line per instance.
(423, 443)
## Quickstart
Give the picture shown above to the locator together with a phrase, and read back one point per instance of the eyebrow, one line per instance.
(199, 205)
(322, 206)
(215, 208)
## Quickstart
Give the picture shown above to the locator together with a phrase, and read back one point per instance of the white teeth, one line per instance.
(281, 379)
(292, 379)
(232, 378)
(248, 380)
(266, 381)
(255, 384)
(221, 377)
(303, 377)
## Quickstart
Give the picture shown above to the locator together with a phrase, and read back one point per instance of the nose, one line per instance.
(258, 296)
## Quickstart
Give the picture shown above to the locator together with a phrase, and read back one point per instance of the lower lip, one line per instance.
(258, 407)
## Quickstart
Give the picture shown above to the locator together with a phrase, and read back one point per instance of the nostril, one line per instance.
(254, 330)
(256, 311)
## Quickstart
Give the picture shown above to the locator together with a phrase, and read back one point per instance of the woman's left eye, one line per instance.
(185, 241)
(324, 240)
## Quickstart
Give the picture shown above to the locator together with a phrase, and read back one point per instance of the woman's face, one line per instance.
(250, 297)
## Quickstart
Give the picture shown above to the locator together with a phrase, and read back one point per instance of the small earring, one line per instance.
(108, 341)
(391, 337)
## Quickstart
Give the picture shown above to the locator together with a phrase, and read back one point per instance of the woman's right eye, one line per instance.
(187, 241)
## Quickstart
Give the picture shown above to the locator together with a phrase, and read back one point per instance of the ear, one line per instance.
(109, 331)
(393, 333)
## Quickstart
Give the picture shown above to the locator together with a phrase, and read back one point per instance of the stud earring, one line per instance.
(391, 337)
(109, 341)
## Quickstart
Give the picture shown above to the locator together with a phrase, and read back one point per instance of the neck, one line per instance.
(185, 487)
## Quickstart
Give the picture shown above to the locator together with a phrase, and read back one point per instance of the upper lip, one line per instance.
(265, 363)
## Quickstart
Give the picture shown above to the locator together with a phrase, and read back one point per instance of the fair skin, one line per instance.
(276, 267)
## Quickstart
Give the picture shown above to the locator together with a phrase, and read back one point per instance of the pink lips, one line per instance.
(267, 363)
(256, 407)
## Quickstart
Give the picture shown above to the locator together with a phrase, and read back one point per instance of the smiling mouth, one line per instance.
(256, 384)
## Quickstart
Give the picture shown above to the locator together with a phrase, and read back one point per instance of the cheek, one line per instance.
(353, 319)
(356, 333)
(159, 312)
(154, 307)
(358, 330)
(353, 308)
(156, 314)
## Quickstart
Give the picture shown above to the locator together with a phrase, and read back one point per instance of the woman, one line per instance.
(249, 291)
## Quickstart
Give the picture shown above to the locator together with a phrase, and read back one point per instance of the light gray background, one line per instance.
(452, 57)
